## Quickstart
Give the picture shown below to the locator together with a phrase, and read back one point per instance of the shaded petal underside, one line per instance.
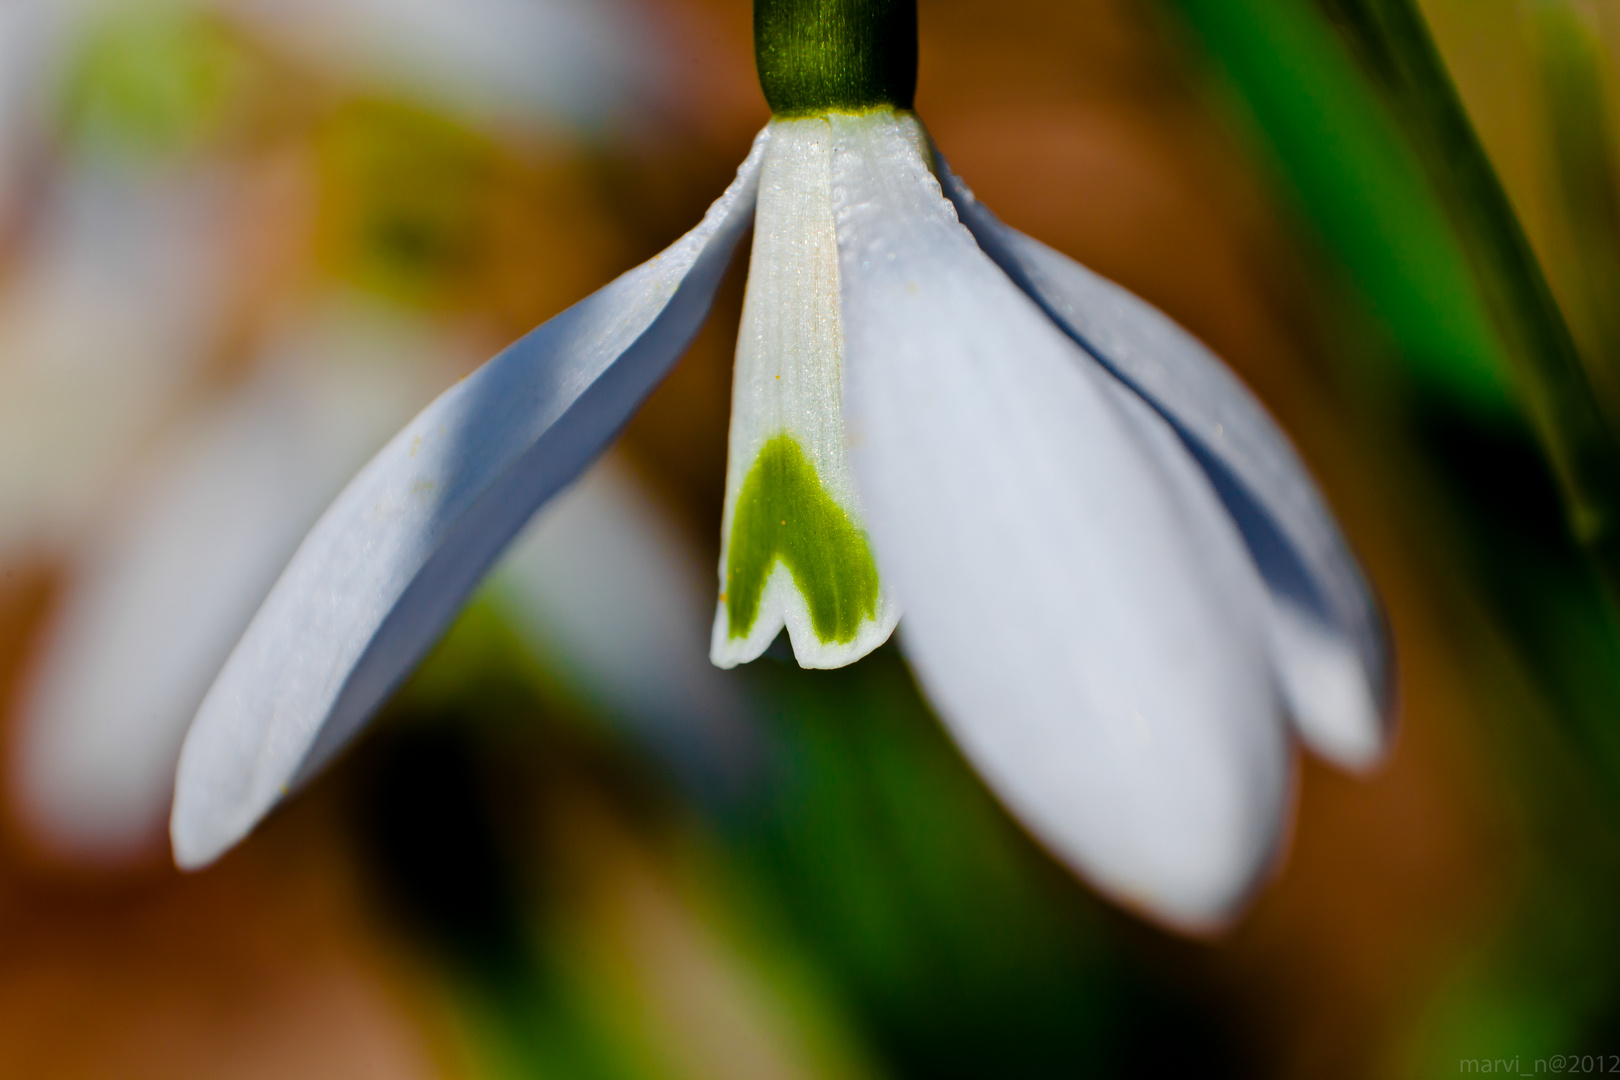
(391, 561)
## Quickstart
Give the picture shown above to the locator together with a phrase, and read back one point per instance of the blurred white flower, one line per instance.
(173, 571)
(33, 48)
(115, 307)
(578, 63)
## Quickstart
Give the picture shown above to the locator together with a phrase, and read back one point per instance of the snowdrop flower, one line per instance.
(1119, 583)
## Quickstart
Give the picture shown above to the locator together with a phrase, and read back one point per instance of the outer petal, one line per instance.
(1328, 632)
(389, 563)
(1079, 608)
(170, 580)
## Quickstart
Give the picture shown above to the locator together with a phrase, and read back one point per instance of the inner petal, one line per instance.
(794, 551)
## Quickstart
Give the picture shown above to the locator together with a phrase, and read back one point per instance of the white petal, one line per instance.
(574, 61)
(1079, 607)
(169, 582)
(391, 561)
(39, 39)
(109, 317)
(25, 49)
(787, 434)
(1328, 631)
(617, 603)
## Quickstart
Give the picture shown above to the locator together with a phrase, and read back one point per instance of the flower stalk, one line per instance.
(816, 56)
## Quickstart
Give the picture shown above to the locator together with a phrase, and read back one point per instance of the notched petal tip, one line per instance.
(783, 607)
(795, 558)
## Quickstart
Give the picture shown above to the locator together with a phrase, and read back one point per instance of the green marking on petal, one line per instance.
(783, 513)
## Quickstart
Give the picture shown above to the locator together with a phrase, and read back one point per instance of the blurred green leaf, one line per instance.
(1361, 186)
(1570, 60)
(1435, 246)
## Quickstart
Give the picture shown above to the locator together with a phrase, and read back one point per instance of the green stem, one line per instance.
(817, 56)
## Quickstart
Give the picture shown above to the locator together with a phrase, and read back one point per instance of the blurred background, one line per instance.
(242, 241)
